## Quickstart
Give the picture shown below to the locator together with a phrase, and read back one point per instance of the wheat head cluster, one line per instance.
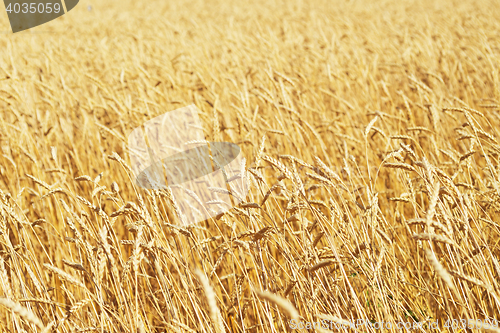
(370, 134)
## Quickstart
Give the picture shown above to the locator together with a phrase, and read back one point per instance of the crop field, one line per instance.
(370, 134)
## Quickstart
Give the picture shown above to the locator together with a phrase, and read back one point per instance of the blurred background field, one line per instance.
(370, 131)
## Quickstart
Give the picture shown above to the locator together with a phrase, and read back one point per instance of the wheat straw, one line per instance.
(21, 311)
(281, 302)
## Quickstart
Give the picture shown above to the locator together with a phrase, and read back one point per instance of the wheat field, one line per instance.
(370, 133)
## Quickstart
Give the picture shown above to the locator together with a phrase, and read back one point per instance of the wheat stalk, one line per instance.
(212, 303)
(22, 312)
(279, 301)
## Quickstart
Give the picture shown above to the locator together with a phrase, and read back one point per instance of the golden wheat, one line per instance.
(369, 136)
